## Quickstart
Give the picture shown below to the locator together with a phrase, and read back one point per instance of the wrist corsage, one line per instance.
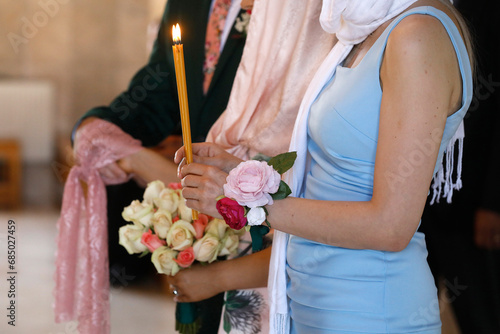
(250, 187)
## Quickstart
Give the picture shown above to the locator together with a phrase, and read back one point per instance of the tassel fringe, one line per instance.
(443, 184)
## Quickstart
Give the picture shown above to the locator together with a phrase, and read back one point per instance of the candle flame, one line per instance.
(176, 34)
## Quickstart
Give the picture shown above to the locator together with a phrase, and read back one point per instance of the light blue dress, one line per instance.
(339, 290)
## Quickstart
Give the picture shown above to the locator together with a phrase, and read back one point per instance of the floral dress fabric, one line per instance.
(246, 311)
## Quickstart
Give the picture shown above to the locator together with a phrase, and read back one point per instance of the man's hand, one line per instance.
(169, 146)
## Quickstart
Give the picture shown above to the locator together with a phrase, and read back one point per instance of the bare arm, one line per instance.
(421, 85)
(150, 166)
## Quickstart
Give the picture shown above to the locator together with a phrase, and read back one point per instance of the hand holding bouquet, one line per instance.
(163, 226)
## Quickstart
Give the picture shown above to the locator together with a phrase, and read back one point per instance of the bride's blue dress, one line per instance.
(339, 290)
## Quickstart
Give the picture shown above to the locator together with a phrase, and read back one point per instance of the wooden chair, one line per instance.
(10, 174)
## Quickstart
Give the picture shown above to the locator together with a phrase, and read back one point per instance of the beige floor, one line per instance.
(133, 310)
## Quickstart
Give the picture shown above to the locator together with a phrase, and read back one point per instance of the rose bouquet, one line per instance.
(162, 225)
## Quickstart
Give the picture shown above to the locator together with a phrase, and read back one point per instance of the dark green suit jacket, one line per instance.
(149, 109)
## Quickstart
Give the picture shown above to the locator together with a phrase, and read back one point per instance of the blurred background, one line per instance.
(59, 58)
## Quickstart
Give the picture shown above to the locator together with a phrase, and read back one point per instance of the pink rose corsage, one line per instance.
(250, 187)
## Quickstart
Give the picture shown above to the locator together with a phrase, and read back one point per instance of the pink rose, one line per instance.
(151, 241)
(251, 182)
(199, 225)
(232, 212)
(185, 258)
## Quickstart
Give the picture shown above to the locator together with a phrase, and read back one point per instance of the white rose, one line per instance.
(162, 221)
(153, 191)
(217, 227)
(168, 200)
(130, 238)
(241, 24)
(180, 236)
(206, 248)
(138, 213)
(163, 259)
(183, 211)
(230, 243)
(256, 216)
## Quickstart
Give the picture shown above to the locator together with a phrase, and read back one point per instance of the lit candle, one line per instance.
(180, 75)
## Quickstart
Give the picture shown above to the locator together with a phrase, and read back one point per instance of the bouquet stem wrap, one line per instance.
(257, 234)
(201, 317)
(186, 318)
(82, 273)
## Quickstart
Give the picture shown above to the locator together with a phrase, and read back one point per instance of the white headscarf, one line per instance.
(352, 21)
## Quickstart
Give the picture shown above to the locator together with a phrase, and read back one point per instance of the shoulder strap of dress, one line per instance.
(455, 37)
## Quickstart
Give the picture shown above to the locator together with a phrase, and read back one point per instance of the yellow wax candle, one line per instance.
(180, 75)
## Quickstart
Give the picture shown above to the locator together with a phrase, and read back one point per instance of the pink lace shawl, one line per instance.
(82, 273)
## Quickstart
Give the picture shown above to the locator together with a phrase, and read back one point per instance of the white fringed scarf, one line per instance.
(443, 183)
(352, 21)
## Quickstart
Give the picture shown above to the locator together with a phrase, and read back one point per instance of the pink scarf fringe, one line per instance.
(82, 273)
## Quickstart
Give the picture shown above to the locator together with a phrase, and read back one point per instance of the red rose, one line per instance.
(185, 258)
(232, 212)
